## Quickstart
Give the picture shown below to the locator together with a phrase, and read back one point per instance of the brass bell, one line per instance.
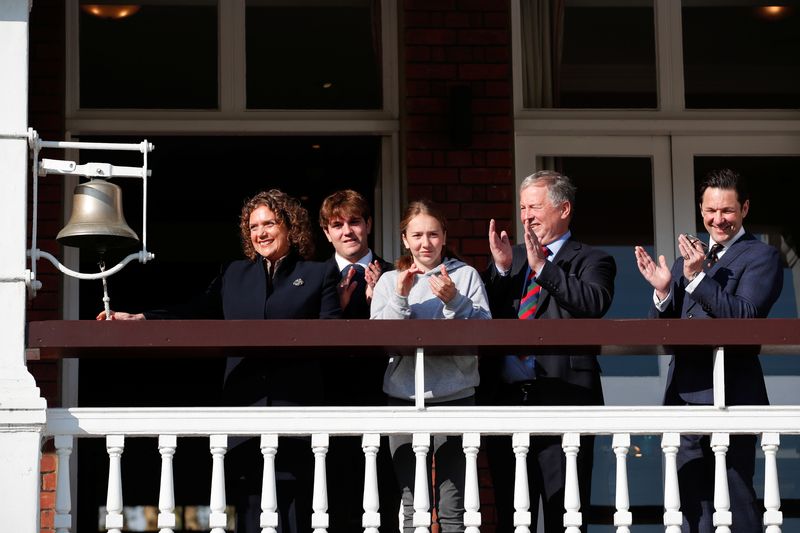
(97, 221)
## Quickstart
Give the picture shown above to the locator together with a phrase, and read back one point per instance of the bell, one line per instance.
(97, 222)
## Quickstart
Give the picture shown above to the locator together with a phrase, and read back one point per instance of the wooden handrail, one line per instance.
(85, 338)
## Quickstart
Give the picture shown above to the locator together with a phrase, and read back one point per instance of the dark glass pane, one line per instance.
(163, 56)
(741, 55)
(589, 56)
(774, 189)
(614, 211)
(313, 55)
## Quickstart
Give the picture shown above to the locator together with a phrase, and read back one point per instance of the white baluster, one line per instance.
(673, 517)
(520, 443)
(218, 520)
(471, 443)
(571, 444)
(371, 519)
(722, 497)
(421, 443)
(773, 517)
(269, 492)
(166, 495)
(63, 518)
(623, 519)
(115, 444)
(319, 519)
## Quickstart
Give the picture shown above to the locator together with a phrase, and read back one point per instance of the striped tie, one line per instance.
(530, 299)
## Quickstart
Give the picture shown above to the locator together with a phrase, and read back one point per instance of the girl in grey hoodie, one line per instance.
(429, 285)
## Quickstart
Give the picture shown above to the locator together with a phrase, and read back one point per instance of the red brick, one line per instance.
(416, 192)
(497, 54)
(418, 158)
(497, 193)
(478, 159)
(451, 211)
(431, 71)
(499, 123)
(485, 175)
(457, 19)
(473, 36)
(459, 228)
(498, 89)
(475, 246)
(438, 159)
(47, 500)
(431, 36)
(491, 106)
(479, 194)
(427, 141)
(438, 54)
(432, 175)
(417, 19)
(483, 71)
(498, 159)
(459, 193)
(430, 5)
(418, 88)
(461, 158)
(426, 105)
(48, 462)
(496, 20)
(439, 194)
(425, 123)
(483, 210)
(49, 482)
(459, 54)
(479, 124)
(418, 54)
(484, 5)
(47, 520)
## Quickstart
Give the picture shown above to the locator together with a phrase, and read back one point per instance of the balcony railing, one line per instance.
(423, 339)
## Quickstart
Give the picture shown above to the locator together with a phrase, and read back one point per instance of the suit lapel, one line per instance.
(732, 253)
(566, 255)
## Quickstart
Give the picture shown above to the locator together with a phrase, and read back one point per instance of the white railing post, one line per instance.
(419, 379)
(520, 443)
(571, 444)
(719, 377)
(621, 443)
(471, 443)
(63, 518)
(371, 519)
(115, 444)
(421, 443)
(673, 517)
(218, 520)
(269, 492)
(773, 517)
(319, 519)
(166, 494)
(722, 497)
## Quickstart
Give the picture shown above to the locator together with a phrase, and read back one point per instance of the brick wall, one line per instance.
(459, 155)
(46, 115)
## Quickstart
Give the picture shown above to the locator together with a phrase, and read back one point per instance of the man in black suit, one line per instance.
(734, 276)
(550, 276)
(346, 220)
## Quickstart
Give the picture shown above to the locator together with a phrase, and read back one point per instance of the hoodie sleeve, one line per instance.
(386, 303)
(470, 301)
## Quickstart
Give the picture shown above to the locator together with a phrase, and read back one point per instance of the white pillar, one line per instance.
(773, 517)
(22, 410)
(63, 518)
(623, 519)
(673, 517)
(571, 444)
(421, 443)
(722, 498)
(471, 443)
(371, 519)
(521, 443)
(115, 445)
(218, 520)
(319, 503)
(269, 492)
(166, 495)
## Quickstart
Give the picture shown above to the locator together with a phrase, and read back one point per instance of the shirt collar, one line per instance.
(556, 245)
(341, 262)
(271, 269)
(725, 247)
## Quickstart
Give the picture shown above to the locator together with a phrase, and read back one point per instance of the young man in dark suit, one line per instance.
(551, 275)
(347, 222)
(734, 276)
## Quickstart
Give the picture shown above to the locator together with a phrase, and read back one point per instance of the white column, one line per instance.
(319, 503)
(166, 494)
(371, 519)
(722, 498)
(115, 444)
(571, 444)
(218, 520)
(773, 517)
(471, 443)
(269, 492)
(718, 377)
(621, 443)
(22, 410)
(673, 517)
(421, 443)
(63, 518)
(520, 443)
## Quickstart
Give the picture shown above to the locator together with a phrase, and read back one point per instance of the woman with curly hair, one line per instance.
(276, 281)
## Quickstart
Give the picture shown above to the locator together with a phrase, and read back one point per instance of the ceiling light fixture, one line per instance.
(107, 11)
